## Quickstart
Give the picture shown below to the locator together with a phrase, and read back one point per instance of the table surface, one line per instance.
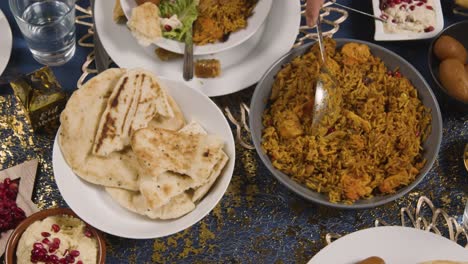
(258, 220)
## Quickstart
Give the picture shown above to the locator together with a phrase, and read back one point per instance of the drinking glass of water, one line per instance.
(48, 27)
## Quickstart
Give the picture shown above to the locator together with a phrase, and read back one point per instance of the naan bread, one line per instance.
(160, 150)
(135, 202)
(200, 192)
(79, 123)
(136, 99)
(178, 192)
(144, 23)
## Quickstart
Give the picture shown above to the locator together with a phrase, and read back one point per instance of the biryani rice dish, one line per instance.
(370, 145)
(217, 19)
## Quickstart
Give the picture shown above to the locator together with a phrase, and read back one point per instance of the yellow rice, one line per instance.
(218, 18)
(371, 145)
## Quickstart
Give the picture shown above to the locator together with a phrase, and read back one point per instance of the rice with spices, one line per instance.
(217, 19)
(371, 145)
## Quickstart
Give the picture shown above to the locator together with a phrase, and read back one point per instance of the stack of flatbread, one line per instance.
(122, 130)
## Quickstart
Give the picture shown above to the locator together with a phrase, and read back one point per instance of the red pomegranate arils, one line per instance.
(412, 7)
(420, 4)
(55, 228)
(38, 246)
(429, 7)
(75, 253)
(167, 28)
(429, 29)
(45, 234)
(79, 262)
(46, 241)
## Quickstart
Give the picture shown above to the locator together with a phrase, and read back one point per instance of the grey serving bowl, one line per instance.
(459, 32)
(431, 146)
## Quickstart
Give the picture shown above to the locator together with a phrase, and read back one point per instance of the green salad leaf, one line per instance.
(187, 13)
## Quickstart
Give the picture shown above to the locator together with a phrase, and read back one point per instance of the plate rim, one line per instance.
(300, 189)
(208, 86)
(228, 172)
(9, 43)
(396, 228)
(178, 47)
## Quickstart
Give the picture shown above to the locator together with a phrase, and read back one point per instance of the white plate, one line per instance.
(91, 203)
(5, 42)
(380, 34)
(260, 13)
(394, 244)
(242, 66)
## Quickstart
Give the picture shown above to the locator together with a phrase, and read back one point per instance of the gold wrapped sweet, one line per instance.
(42, 98)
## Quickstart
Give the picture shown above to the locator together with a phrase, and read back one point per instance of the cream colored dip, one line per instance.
(401, 19)
(71, 235)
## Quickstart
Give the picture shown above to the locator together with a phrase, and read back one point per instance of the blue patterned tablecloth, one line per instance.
(258, 220)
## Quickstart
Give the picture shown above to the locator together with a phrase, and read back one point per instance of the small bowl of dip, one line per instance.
(55, 236)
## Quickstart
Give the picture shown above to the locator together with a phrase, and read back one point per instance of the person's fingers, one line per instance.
(312, 11)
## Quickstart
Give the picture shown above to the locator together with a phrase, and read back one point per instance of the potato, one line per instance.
(454, 78)
(447, 47)
(140, 2)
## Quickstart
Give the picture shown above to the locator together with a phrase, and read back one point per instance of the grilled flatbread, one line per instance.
(135, 202)
(136, 99)
(174, 193)
(79, 123)
(144, 23)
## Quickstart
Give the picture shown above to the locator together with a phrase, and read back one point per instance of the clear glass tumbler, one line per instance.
(48, 27)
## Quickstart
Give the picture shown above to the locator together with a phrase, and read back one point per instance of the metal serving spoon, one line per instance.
(321, 100)
(188, 56)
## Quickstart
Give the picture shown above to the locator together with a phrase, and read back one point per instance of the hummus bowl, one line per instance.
(14, 241)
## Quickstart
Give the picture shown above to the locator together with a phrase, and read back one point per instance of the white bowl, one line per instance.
(260, 13)
(92, 204)
(380, 34)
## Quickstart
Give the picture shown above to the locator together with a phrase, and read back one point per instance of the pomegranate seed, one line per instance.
(63, 261)
(46, 241)
(45, 234)
(429, 7)
(53, 258)
(79, 262)
(420, 4)
(397, 1)
(397, 74)
(70, 258)
(394, 21)
(167, 28)
(7, 181)
(52, 249)
(410, 1)
(391, 4)
(55, 228)
(37, 246)
(411, 7)
(88, 233)
(13, 186)
(75, 253)
(429, 29)
(56, 241)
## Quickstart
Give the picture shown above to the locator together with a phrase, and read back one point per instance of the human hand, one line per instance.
(312, 11)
